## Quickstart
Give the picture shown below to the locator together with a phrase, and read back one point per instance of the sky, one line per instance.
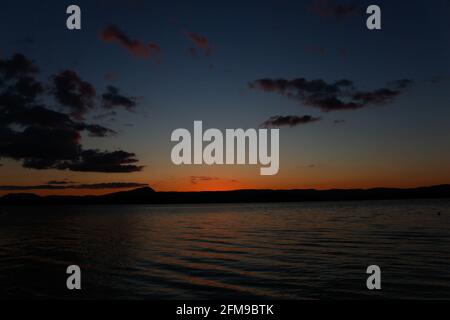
(91, 111)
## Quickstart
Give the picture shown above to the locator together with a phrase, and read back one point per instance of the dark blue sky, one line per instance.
(402, 142)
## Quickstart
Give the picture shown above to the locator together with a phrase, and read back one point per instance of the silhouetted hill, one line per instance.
(149, 196)
(24, 197)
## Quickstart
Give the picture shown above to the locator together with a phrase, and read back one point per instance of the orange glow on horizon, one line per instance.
(225, 181)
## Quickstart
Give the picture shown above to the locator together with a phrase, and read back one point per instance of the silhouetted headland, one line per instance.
(147, 195)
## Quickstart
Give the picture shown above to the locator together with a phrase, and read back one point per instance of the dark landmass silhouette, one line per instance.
(147, 195)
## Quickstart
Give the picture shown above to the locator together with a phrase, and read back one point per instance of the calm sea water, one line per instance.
(268, 251)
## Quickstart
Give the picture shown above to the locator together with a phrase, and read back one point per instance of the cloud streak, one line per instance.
(56, 186)
(198, 179)
(336, 96)
(291, 121)
(113, 98)
(136, 48)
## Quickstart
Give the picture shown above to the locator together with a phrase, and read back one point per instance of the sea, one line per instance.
(283, 251)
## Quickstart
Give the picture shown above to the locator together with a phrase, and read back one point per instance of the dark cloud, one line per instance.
(333, 9)
(41, 148)
(109, 116)
(196, 179)
(57, 186)
(200, 42)
(74, 93)
(95, 130)
(60, 182)
(43, 118)
(138, 49)
(340, 95)
(103, 161)
(17, 67)
(112, 98)
(17, 81)
(291, 121)
(42, 138)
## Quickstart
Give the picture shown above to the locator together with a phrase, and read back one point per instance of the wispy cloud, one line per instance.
(61, 186)
(136, 48)
(337, 122)
(113, 98)
(197, 179)
(339, 95)
(60, 182)
(291, 121)
(200, 42)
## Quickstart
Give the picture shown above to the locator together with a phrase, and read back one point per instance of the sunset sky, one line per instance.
(98, 113)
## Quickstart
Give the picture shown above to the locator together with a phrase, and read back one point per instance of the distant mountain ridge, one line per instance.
(147, 195)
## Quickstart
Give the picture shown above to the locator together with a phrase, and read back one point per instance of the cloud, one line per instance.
(57, 186)
(291, 121)
(60, 182)
(197, 179)
(71, 91)
(200, 42)
(17, 80)
(39, 117)
(340, 95)
(136, 48)
(43, 138)
(331, 9)
(112, 98)
(17, 66)
(40, 148)
(102, 161)
(95, 130)
(109, 116)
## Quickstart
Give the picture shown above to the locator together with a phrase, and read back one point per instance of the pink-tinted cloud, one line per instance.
(200, 42)
(137, 48)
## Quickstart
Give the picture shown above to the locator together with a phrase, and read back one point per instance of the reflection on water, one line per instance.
(282, 251)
